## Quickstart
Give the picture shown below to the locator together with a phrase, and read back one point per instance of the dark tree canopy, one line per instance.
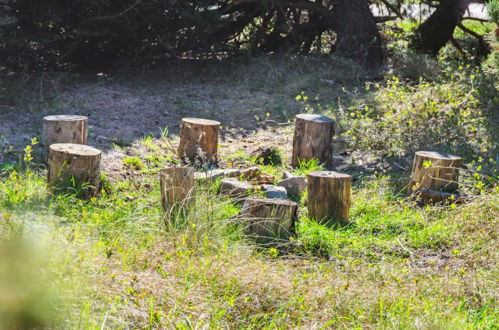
(104, 34)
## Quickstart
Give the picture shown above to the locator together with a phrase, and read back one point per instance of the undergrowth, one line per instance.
(115, 261)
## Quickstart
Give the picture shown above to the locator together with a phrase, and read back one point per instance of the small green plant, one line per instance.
(133, 163)
(28, 152)
(493, 10)
(306, 166)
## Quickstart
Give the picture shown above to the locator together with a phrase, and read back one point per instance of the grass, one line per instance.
(116, 262)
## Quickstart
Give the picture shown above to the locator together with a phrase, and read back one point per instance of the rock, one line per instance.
(274, 191)
(294, 185)
(215, 174)
(251, 173)
(234, 188)
(287, 175)
(256, 176)
(265, 178)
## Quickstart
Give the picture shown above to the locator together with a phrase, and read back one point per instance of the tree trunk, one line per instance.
(199, 140)
(177, 188)
(313, 138)
(434, 173)
(268, 218)
(64, 129)
(74, 166)
(329, 196)
(438, 28)
(358, 37)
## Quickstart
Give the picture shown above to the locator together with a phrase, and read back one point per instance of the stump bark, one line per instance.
(268, 218)
(329, 196)
(199, 140)
(64, 129)
(74, 166)
(177, 188)
(435, 175)
(313, 138)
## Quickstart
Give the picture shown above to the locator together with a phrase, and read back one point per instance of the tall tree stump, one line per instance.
(268, 218)
(329, 196)
(177, 188)
(435, 175)
(313, 138)
(199, 140)
(64, 129)
(74, 166)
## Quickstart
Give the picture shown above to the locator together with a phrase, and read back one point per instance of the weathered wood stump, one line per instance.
(435, 176)
(177, 188)
(329, 196)
(64, 129)
(313, 138)
(268, 218)
(199, 140)
(74, 166)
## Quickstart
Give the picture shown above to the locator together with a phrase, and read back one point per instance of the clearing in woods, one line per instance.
(113, 262)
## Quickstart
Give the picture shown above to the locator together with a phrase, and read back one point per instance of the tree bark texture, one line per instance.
(358, 37)
(199, 140)
(439, 27)
(64, 129)
(74, 166)
(313, 138)
(434, 172)
(177, 188)
(329, 196)
(268, 218)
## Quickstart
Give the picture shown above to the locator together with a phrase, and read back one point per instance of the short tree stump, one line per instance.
(74, 166)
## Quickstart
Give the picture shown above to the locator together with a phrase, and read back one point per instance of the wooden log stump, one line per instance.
(64, 129)
(435, 175)
(268, 218)
(313, 138)
(74, 166)
(329, 196)
(177, 188)
(199, 140)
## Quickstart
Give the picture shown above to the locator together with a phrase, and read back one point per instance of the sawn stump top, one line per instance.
(200, 121)
(64, 118)
(328, 174)
(437, 155)
(315, 118)
(269, 201)
(75, 149)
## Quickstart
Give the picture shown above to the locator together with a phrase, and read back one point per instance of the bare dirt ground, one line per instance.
(256, 107)
(128, 110)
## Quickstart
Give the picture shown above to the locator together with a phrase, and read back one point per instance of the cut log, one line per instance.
(268, 218)
(329, 196)
(313, 138)
(64, 129)
(177, 188)
(434, 171)
(74, 166)
(199, 140)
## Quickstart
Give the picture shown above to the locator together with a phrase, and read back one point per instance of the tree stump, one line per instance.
(268, 218)
(74, 166)
(329, 196)
(313, 138)
(177, 188)
(199, 140)
(64, 129)
(435, 175)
